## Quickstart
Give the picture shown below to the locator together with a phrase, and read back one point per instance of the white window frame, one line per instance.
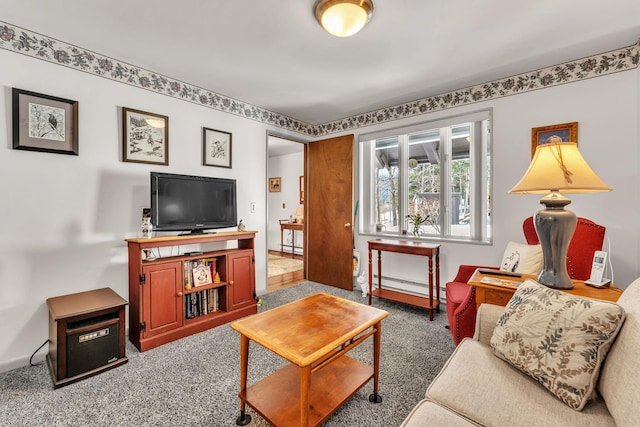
(480, 168)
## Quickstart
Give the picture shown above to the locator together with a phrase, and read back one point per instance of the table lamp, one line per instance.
(299, 215)
(557, 168)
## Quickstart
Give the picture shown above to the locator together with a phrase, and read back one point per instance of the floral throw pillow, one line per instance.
(557, 338)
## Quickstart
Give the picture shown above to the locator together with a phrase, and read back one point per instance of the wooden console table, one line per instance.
(413, 248)
(293, 226)
(500, 293)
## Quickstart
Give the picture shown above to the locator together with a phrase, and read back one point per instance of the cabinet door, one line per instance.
(162, 298)
(241, 279)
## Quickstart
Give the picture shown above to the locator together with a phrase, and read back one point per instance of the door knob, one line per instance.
(347, 225)
(179, 294)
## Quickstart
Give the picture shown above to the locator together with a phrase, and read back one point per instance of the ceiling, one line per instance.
(274, 55)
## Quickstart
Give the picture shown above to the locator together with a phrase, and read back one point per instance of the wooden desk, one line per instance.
(413, 248)
(313, 334)
(500, 294)
(293, 226)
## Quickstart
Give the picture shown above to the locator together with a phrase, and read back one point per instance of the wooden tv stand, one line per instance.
(165, 304)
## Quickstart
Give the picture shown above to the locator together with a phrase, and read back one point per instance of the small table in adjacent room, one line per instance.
(413, 248)
(293, 227)
(313, 334)
(86, 334)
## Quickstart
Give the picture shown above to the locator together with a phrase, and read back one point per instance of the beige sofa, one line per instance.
(475, 387)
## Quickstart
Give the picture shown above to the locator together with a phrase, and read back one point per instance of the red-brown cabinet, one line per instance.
(167, 301)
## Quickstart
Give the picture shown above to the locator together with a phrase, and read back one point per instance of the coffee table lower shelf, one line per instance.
(277, 397)
(405, 298)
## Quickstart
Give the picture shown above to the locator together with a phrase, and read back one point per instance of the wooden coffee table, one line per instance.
(313, 334)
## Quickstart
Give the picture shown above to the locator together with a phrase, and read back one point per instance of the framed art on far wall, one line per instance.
(568, 132)
(216, 148)
(44, 123)
(275, 185)
(301, 190)
(145, 137)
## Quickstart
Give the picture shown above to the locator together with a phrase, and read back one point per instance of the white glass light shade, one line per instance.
(343, 18)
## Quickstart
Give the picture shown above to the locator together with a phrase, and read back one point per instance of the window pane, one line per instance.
(424, 181)
(386, 184)
(460, 181)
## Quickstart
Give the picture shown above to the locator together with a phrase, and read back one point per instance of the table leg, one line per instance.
(281, 240)
(305, 385)
(379, 270)
(430, 288)
(244, 418)
(293, 243)
(375, 397)
(438, 280)
(370, 276)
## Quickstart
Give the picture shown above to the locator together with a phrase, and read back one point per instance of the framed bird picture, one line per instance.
(44, 123)
(145, 137)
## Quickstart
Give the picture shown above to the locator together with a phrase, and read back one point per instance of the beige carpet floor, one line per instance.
(280, 265)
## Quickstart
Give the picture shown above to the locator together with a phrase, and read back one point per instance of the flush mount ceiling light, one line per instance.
(343, 18)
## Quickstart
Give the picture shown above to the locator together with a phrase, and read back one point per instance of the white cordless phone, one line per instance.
(597, 270)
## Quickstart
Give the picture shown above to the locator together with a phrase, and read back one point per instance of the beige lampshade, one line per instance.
(559, 167)
(343, 18)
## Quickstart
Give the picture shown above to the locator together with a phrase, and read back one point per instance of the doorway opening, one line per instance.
(285, 212)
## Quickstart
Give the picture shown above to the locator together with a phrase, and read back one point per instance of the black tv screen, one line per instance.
(192, 203)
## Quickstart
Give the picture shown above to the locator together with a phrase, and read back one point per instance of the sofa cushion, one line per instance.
(489, 391)
(620, 377)
(522, 258)
(427, 413)
(557, 338)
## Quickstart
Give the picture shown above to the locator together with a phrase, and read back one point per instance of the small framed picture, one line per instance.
(274, 185)
(145, 137)
(44, 123)
(216, 148)
(567, 132)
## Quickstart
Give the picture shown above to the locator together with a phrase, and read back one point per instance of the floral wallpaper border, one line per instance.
(39, 46)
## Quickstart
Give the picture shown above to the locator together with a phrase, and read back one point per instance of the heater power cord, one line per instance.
(34, 353)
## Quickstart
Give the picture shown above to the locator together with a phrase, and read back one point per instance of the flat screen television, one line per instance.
(193, 204)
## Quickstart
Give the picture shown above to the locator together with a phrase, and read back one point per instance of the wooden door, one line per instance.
(329, 205)
(161, 299)
(241, 279)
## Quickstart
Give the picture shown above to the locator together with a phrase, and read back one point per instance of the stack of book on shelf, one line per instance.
(200, 272)
(201, 303)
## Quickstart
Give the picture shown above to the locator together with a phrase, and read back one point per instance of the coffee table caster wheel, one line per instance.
(243, 419)
(375, 398)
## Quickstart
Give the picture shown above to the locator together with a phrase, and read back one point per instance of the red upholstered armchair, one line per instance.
(461, 298)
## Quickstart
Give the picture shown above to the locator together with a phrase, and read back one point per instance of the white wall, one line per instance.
(63, 219)
(282, 205)
(608, 115)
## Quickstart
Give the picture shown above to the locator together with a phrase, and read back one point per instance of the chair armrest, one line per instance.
(486, 320)
(466, 271)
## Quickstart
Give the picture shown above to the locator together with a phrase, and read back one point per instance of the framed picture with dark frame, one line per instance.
(216, 148)
(44, 123)
(145, 137)
(567, 132)
(275, 186)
